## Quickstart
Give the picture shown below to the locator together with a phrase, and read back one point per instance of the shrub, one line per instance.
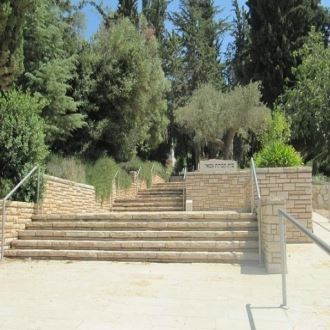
(22, 143)
(70, 168)
(162, 171)
(101, 175)
(278, 154)
(145, 173)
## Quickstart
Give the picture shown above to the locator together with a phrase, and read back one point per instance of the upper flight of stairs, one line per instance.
(141, 236)
(160, 197)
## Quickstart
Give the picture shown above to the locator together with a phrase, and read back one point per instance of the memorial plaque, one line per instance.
(217, 165)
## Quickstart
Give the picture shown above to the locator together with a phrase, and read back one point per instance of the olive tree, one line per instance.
(216, 117)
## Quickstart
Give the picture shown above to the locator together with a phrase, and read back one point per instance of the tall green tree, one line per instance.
(277, 30)
(128, 8)
(308, 103)
(239, 60)
(127, 93)
(155, 12)
(51, 40)
(199, 30)
(12, 15)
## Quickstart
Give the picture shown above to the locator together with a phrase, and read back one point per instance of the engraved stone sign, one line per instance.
(217, 165)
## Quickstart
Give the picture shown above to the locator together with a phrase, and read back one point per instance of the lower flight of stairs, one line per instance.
(160, 197)
(148, 237)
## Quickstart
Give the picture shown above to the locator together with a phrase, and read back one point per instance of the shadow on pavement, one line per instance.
(249, 312)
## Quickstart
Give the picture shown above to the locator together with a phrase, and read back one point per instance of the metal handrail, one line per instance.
(184, 173)
(113, 181)
(136, 179)
(114, 178)
(318, 241)
(8, 196)
(254, 179)
(151, 171)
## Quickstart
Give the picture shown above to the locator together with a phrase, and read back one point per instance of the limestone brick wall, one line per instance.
(270, 234)
(18, 214)
(67, 197)
(321, 196)
(219, 191)
(294, 186)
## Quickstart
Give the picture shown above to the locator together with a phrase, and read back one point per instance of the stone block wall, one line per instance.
(67, 197)
(270, 234)
(321, 196)
(219, 191)
(294, 186)
(18, 214)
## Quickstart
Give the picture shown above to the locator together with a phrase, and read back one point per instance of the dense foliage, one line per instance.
(127, 105)
(12, 14)
(278, 154)
(22, 143)
(308, 103)
(214, 117)
(277, 30)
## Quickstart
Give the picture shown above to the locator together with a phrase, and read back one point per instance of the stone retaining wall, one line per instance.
(231, 190)
(294, 186)
(219, 191)
(321, 196)
(18, 214)
(67, 197)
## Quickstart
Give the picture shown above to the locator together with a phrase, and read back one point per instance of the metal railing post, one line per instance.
(259, 232)
(252, 187)
(3, 229)
(38, 189)
(283, 258)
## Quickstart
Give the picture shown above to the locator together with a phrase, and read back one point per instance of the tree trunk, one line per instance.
(229, 143)
(197, 152)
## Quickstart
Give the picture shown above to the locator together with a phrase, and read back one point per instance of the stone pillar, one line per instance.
(270, 234)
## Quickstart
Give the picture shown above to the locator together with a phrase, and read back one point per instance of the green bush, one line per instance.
(70, 168)
(100, 175)
(145, 173)
(22, 143)
(162, 171)
(278, 154)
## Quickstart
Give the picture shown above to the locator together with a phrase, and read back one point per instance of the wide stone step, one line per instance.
(169, 184)
(143, 256)
(150, 216)
(141, 208)
(150, 199)
(143, 225)
(144, 203)
(158, 192)
(197, 235)
(208, 246)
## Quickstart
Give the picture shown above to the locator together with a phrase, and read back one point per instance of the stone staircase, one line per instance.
(160, 197)
(141, 236)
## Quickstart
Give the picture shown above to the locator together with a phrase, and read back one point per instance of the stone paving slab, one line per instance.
(47, 295)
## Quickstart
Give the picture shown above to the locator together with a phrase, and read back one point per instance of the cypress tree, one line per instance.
(12, 15)
(155, 13)
(278, 28)
(128, 8)
(200, 32)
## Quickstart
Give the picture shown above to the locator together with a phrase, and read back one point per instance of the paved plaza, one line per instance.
(46, 295)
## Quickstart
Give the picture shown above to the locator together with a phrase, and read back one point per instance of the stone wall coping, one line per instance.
(304, 169)
(225, 172)
(68, 182)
